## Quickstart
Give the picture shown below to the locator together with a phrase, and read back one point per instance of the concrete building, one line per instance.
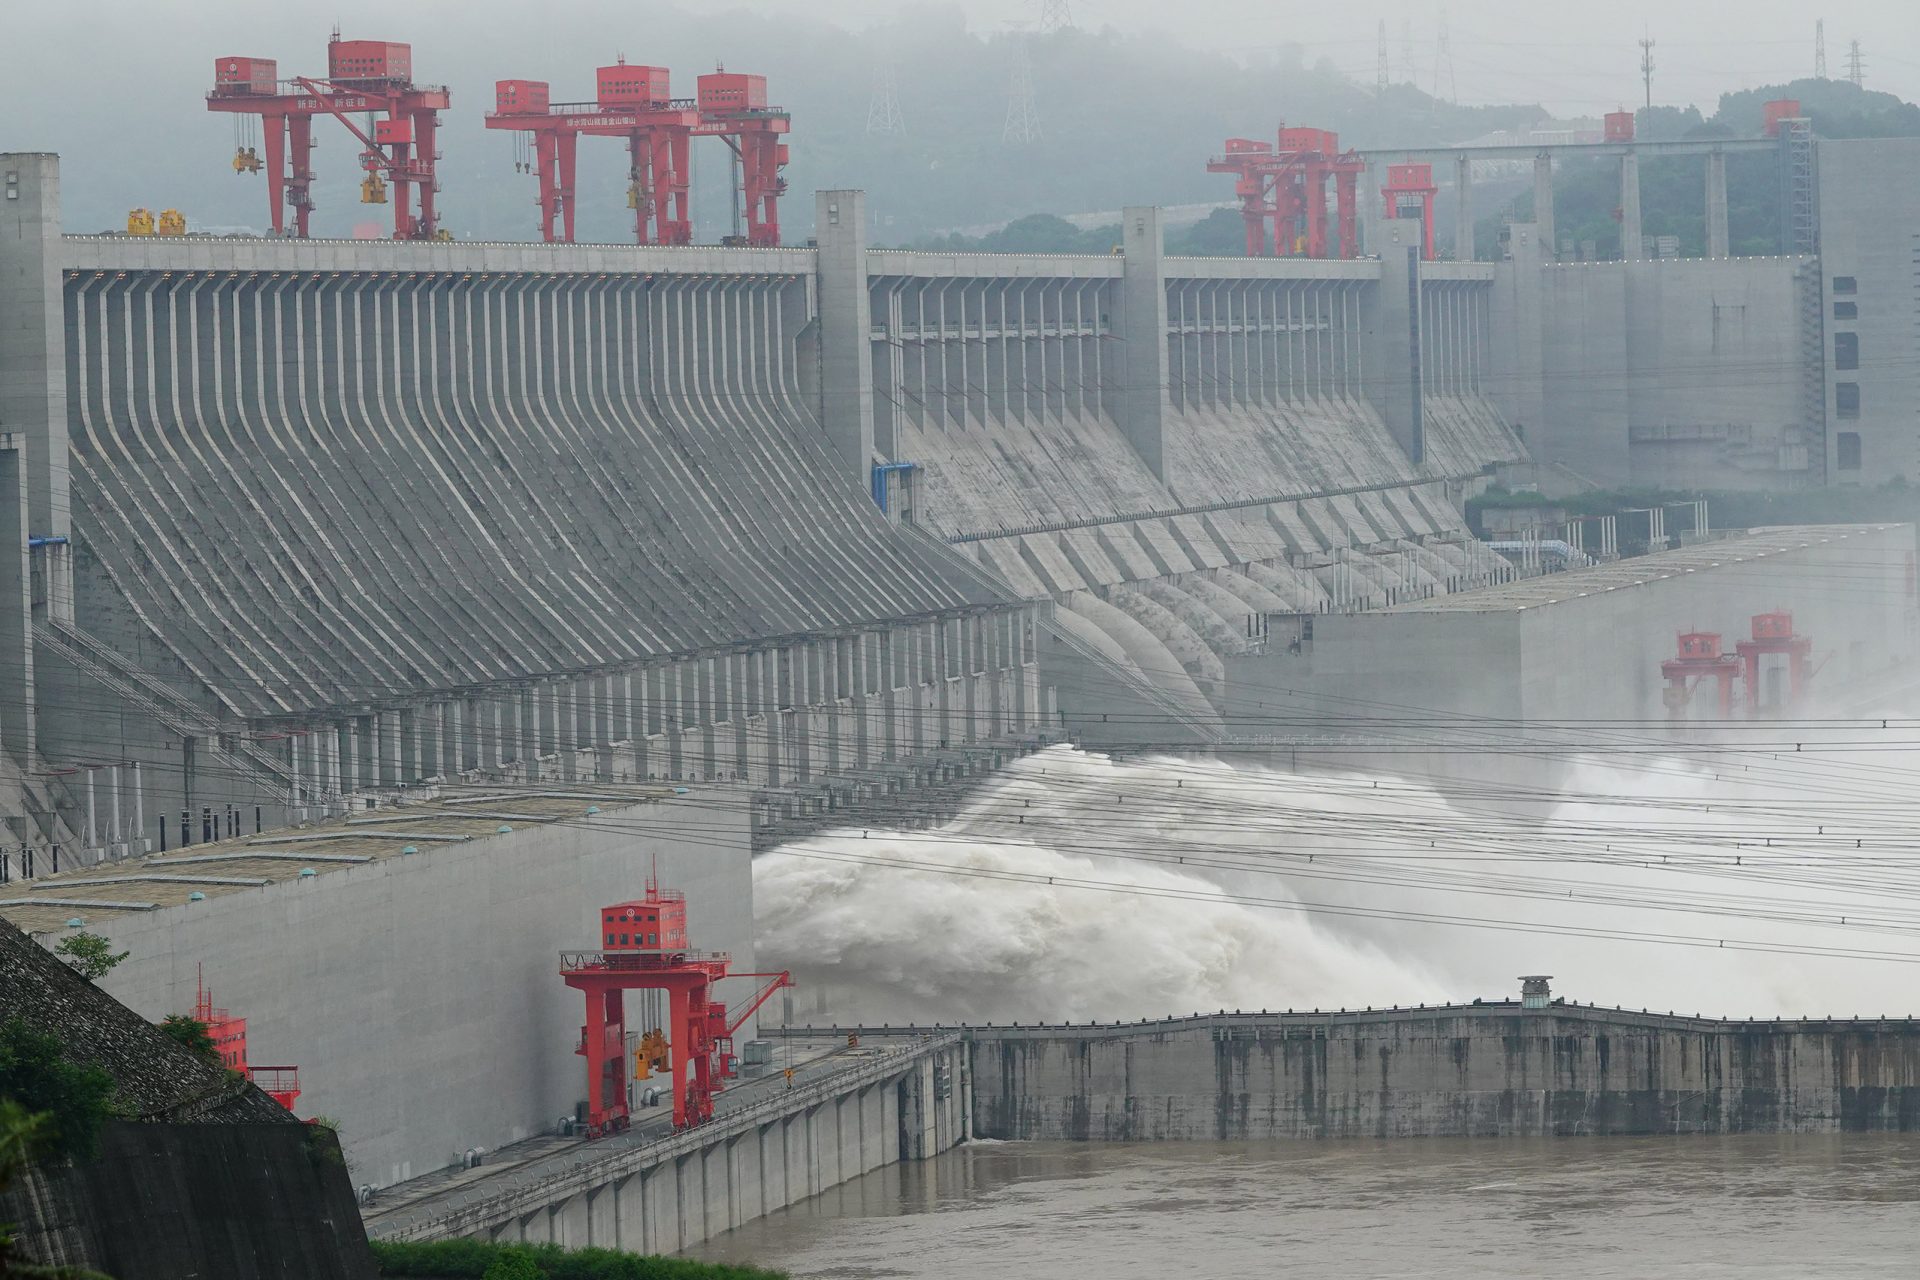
(1587, 644)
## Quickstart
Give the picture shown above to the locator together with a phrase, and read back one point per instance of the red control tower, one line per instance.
(644, 947)
(229, 1036)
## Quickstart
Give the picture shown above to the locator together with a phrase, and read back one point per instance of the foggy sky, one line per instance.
(116, 86)
(1575, 59)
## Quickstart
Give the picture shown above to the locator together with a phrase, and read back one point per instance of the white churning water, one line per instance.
(988, 916)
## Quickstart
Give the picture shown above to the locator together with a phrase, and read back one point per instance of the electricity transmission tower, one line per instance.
(1023, 117)
(1055, 15)
(1381, 75)
(883, 109)
(1820, 49)
(1407, 71)
(1856, 65)
(1443, 62)
(1646, 66)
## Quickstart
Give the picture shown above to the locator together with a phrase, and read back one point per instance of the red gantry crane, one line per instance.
(1285, 185)
(644, 947)
(372, 79)
(635, 103)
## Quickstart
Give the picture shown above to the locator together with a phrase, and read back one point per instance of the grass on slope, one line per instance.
(480, 1260)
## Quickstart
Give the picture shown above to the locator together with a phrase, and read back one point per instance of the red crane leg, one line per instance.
(273, 136)
(569, 146)
(1346, 200)
(642, 183)
(671, 181)
(300, 152)
(1316, 193)
(402, 190)
(425, 125)
(544, 163)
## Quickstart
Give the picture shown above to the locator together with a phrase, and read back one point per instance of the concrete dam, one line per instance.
(376, 611)
(311, 523)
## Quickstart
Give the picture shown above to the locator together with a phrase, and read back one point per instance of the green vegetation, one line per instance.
(26, 1136)
(1220, 234)
(190, 1034)
(75, 1099)
(479, 1260)
(89, 955)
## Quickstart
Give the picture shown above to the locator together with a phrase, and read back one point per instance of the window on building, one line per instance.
(1846, 351)
(1846, 399)
(1846, 311)
(1848, 450)
(1845, 284)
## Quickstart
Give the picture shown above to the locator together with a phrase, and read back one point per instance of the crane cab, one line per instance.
(657, 922)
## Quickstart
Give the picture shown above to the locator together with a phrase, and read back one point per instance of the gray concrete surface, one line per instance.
(846, 1112)
(420, 995)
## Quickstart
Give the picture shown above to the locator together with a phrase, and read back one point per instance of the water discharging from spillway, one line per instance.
(1075, 886)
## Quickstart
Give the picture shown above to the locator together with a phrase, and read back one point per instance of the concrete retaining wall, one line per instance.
(1460, 1071)
(419, 996)
(904, 1104)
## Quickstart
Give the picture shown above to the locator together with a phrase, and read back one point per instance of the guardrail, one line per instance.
(476, 1208)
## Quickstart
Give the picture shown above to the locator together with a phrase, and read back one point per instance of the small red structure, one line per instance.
(1699, 659)
(1776, 111)
(228, 1033)
(644, 947)
(635, 103)
(1617, 126)
(365, 78)
(1773, 634)
(229, 1036)
(1285, 185)
(1412, 183)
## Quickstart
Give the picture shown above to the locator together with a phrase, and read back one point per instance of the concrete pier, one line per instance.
(1486, 1069)
(904, 1102)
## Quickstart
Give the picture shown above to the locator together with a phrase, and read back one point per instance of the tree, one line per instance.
(514, 1264)
(89, 955)
(190, 1034)
(35, 1074)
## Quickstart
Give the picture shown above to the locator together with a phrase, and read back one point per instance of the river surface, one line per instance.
(1794, 1206)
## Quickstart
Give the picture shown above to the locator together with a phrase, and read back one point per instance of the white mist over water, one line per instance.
(943, 939)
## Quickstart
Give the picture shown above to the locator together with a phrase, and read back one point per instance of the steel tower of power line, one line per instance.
(1646, 66)
(1820, 49)
(1856, 65)
(1407, 71)
(1381, 75)
(1443, 62)
(1055, 15)
(883, 109)
(1023, 116)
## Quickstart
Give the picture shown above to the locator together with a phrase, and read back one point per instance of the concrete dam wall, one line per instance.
(1480, 1070)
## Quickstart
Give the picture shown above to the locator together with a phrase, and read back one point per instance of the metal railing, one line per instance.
(477, 1208)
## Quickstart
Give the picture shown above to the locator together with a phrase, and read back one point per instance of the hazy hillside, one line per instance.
(1124, 120)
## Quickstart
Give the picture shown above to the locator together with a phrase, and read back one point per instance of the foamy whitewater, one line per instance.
(914, 926)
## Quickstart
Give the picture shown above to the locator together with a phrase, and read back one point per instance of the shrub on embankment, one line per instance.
(479, 1260)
